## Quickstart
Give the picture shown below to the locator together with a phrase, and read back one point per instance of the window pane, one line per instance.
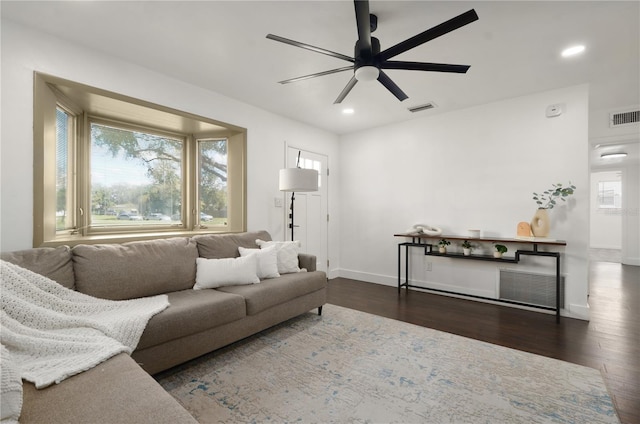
(212, 160)
(307, 163)
(610, 194)
(136, 177)
(64, 194)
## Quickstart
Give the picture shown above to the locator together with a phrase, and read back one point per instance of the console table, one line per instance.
(423, 241)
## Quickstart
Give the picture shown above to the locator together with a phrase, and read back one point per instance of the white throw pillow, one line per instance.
(212, 273)
(287, 254)
(267, 261)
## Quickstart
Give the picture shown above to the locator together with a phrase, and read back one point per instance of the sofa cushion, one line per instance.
(216, 246)
(115, 391)
(52, 262)
(135, 269)
(190, 312)
(275, 291)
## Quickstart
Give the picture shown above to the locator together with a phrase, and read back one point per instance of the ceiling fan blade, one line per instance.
(352, 82)
(310, 47)
(391, 86)
(435, 32)
(364, 25)
(424, 66)
(317, 74)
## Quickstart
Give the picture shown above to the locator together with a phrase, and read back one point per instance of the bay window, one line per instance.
(127, 169)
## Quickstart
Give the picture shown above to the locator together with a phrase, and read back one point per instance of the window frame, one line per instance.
(55, 92)
(72, 147)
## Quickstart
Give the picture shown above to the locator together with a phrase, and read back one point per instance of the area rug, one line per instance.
(349, 366)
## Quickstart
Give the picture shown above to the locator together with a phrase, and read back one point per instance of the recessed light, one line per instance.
(572, 51)
(613, 155)
(348, 111)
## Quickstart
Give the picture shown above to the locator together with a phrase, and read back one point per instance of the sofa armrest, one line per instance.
(115, 391)
(307, 261)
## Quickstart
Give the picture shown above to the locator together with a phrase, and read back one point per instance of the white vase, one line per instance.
(540, 223)
(442, 249)
(497, 255)
(466, 251)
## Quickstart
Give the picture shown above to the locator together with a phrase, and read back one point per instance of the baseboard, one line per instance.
(333, 273)
(574, 311)
(368, 277)
(458, 290)
(393, 282)
(577, 311)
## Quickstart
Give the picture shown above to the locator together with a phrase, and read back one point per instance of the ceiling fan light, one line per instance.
(367, 73)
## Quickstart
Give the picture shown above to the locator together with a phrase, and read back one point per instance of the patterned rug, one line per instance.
(349, 366)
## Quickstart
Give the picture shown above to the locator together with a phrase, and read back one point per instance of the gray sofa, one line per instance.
(195, 323)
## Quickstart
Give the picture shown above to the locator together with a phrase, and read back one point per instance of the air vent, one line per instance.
(420, 108)
(619, 119)
(532, 288)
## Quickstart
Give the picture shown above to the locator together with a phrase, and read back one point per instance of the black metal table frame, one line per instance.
(429, 252)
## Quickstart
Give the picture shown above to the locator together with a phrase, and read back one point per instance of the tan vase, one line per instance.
(540, 223)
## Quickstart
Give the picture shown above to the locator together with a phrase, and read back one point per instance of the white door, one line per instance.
(310, 209)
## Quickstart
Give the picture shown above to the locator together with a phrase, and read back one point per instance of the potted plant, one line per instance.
(466, 248)
(547, 200)
(442, 245)
(540, 223)
(500, 249)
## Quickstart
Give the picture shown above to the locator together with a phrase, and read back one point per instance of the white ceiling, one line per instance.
(513, 49)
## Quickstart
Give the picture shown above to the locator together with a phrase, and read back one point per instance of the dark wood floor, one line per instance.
(610, 341)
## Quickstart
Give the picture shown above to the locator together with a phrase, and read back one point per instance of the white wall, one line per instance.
(474, 168)
(631, 215)
(606, 224)
(25, 51)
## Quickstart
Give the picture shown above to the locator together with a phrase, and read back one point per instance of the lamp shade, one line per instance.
(298, 179)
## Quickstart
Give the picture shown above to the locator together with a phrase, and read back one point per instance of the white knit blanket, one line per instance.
(53, 332)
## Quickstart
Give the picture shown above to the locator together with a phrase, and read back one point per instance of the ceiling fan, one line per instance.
(369, 62)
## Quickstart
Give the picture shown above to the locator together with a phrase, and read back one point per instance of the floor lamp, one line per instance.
(297, 179)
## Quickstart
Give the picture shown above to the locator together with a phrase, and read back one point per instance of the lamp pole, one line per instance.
(293, 198)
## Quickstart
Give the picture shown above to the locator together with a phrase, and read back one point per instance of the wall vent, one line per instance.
(420, 108)
(619, 119)
(525, 287)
